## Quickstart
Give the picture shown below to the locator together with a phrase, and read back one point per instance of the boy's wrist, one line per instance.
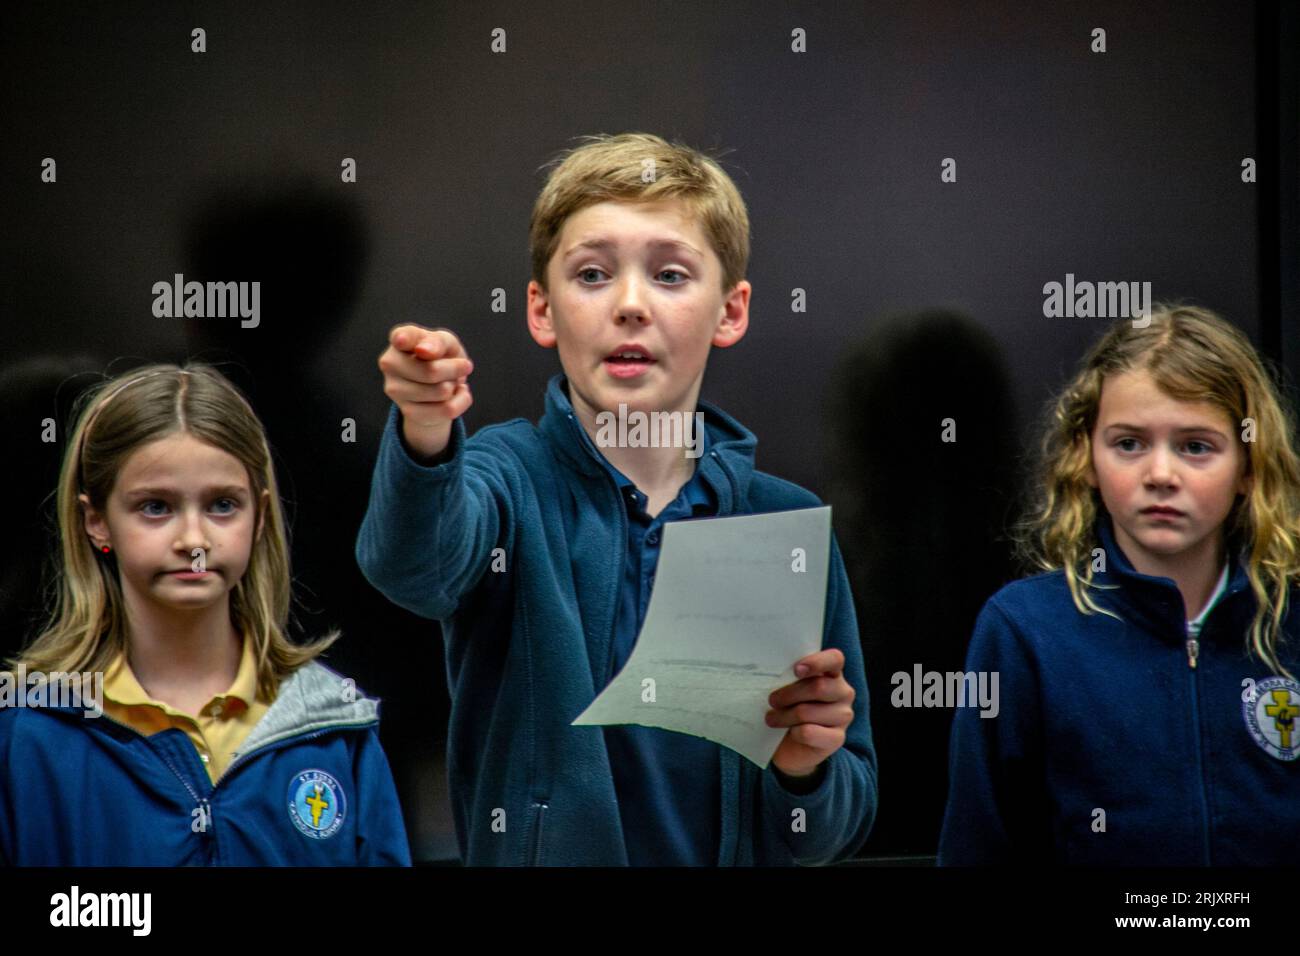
(800, 785)
(426, 450)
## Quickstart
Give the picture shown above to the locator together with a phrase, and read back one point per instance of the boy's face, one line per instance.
(1168, 471)
(635, 278)
(174, 495)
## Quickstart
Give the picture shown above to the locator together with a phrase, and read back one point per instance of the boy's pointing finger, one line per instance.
(405, 337)
(425, 344)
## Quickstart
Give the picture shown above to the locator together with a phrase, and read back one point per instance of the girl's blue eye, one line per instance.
(230, 501)
(675, 272)
(1204, 446)
(583, 272)
(144, 506)
(1125, 444)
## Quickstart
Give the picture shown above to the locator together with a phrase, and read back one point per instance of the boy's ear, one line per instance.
(94, 523)
(734, 321)
(540, 326)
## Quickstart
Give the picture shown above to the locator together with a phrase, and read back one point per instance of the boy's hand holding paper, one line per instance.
(735, 601)
(818, 709)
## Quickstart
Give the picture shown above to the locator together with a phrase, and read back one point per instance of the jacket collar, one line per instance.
(727, 467)
(1154, 602)
(312, 698)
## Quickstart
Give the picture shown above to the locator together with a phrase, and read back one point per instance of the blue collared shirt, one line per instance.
(668, 784)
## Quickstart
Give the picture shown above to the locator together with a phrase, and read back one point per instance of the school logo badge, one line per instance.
(316, 804)
(1271, 714)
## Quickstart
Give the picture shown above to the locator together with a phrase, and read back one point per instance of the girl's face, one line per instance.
(176, 495)
(1168, 472)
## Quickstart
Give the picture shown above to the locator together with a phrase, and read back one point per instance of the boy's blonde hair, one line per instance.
(616, 168)
(87, 627)
(1192, 355)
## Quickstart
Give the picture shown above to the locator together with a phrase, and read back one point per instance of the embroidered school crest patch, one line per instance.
(1271, 714)
(317, 806)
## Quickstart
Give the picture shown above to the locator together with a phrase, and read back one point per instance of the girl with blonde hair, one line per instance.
(198, 732)
(1148, 701)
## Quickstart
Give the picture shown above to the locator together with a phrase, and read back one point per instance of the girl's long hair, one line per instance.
(87, 626)
(1192, 355)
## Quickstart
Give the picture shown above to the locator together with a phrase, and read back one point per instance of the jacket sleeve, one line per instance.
(381, 834)
(839, 812)
(429, 531)
(996, 811)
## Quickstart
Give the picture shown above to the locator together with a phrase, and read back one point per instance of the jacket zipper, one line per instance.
(538, 822)
(200, 803)
(1193, 649)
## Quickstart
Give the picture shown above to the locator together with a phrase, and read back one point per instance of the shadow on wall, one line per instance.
(923, 475)
(309, 248)
(37, 394)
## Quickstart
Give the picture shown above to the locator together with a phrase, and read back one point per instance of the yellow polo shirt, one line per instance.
(221, 726)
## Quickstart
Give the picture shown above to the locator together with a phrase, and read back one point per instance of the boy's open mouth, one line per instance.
(628, 361)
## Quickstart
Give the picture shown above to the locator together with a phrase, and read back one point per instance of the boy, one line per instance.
(536, 548)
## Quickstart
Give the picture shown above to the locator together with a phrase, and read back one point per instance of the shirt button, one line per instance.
(653, 537)
(203, 757)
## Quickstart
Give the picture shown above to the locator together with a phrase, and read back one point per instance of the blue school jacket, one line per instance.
(1109, 748)
(516, 544)
(310, 786)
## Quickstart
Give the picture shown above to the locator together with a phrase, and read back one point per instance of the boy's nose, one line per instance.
(631, 301)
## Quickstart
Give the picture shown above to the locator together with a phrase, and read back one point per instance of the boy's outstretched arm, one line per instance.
(435, 511)
(819, 792)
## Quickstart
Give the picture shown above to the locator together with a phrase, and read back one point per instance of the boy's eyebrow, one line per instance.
(210, 490)
(1205, 429)
(601, 245)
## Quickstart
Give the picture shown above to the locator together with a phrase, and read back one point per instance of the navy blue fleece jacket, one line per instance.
(1108, 747)
(528, 647)
(89, 791)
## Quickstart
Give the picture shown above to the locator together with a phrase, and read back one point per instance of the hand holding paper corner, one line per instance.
(737, 601)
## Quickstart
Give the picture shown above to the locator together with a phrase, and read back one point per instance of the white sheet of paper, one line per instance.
(730, 614)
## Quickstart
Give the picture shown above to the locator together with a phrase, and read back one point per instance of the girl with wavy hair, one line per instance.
(1148, 701)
